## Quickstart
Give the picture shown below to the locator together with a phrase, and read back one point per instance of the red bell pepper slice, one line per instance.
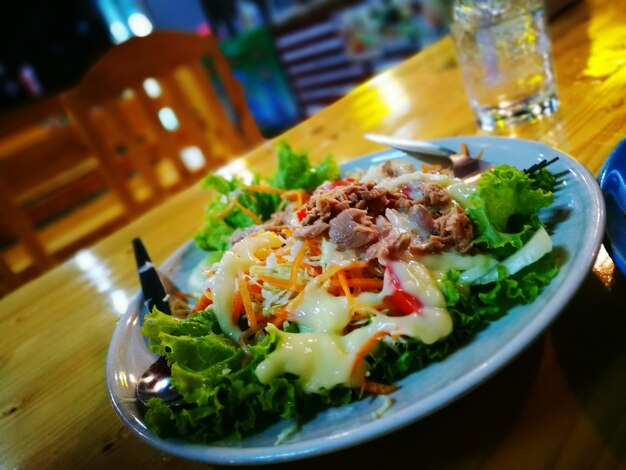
(405, 302)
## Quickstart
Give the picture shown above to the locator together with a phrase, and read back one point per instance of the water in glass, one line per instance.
(504, 53)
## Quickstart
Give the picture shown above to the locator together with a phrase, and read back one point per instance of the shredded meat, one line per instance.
(326, 204)
(353, 216)
(274, 224)
(386, 223)
(352, 228)
(393, 168)
(430, 194)
(456, 228)
(390, 242)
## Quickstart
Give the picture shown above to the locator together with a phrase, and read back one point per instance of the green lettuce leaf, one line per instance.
(216, 378)
(294, 172)
(472, 309)
(505, 209)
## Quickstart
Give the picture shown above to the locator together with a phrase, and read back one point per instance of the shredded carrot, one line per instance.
(295, 195)
(330, 272)
(203, 302)
(313, 271)
(237, 305)
(275, 281)
(265, 189)
(376, 388)
(344, 286)
(362, 282)
(315, 249)
(367, 347)
(280, 316)
(254, 288)
(295, 267)
(248, 212)
(247, 303)
(227, 210)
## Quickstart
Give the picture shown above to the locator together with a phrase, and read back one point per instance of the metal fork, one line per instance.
(463, 165)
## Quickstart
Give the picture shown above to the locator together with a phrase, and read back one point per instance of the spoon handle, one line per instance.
(151, 285)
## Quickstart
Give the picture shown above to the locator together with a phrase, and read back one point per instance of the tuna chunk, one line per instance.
(352, 228)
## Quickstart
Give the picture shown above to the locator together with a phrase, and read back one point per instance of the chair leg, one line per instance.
(23, 228)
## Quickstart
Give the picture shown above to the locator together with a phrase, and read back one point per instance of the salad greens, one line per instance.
(505, 209)
(294, 172)
(215, 374)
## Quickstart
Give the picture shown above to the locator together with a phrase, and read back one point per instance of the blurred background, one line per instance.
(293, 57)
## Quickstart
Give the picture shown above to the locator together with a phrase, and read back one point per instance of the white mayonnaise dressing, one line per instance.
(238, 259)
(323, 358)
(320, 360)
(332, 256)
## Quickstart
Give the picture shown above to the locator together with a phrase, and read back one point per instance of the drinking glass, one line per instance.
(505, 57)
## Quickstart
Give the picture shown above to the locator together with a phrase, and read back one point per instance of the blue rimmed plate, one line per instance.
(576, 220)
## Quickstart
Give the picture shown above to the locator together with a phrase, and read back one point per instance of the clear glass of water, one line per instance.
(505, 58)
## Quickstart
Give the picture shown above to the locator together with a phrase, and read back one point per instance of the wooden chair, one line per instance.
(76, 167)
(55, 197)
(151, 103)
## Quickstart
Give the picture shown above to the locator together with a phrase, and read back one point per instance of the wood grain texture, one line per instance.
(558, 405)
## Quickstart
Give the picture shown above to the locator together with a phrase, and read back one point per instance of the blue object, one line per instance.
(612, 181)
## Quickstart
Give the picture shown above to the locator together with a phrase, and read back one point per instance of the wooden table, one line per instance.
(561, 404)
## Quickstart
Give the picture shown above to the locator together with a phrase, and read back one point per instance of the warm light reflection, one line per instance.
(373, 102)
(100, 276)
(120, 378)
(237, 167)
(168, 119)
(608, 41)
(192, 157)
(152, 87)
(120, 301)
(95, 271)
(395, 95)
(368, 109)
(139, 24)
(604, 268)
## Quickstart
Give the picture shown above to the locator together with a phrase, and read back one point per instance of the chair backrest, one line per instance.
(162, 109)
(47, 172)
(149, 118)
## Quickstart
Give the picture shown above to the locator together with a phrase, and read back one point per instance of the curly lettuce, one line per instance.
(505, 209)
(215, 376)
(294, 171)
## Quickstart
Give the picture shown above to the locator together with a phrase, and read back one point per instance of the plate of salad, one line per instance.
(335, 304)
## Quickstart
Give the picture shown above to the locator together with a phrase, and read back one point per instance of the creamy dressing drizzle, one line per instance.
(240, 258)
(323, 358)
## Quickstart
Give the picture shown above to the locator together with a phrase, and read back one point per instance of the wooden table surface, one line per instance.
(560, 404)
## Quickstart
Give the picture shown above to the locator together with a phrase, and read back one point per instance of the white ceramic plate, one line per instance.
(577, 222)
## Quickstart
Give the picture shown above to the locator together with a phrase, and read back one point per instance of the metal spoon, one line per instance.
(155, 382)
(463, 165)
